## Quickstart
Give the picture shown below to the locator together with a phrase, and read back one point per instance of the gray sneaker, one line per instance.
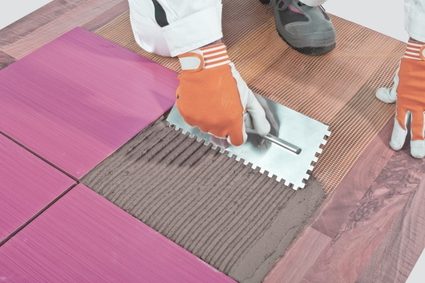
(308, 30)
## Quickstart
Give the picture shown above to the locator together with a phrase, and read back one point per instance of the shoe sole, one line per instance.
(311, 51)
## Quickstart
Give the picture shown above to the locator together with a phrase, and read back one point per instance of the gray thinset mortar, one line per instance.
(231, 216)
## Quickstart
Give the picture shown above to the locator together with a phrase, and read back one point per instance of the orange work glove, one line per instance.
(409, 89)
(213, 97)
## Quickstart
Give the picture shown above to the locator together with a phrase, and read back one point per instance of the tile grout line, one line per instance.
(39, 156)
(35, 216)
(77, 182)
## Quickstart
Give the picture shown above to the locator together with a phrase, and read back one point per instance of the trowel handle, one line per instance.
(289, 146)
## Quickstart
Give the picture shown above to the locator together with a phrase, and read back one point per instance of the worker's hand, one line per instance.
(213, 97)
(271, 116)
(409, 91)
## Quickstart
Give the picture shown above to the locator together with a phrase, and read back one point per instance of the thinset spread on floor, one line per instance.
(230, 216)
(336, 89)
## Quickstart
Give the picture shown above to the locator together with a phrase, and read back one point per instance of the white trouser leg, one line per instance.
(189, 25)
(415, 19)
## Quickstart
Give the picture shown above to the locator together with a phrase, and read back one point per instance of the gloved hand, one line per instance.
(213, 97)
(409, 91)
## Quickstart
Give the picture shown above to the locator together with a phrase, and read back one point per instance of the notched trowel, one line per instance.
(290, 156)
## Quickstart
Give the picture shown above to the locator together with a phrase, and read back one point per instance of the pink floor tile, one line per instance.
(85, 238)
(79, 98)
(27, 185)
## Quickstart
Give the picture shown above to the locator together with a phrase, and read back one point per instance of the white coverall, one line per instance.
(190, 24)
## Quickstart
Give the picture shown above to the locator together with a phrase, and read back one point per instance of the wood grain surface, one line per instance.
(370, 244)
(404, 241)
(5, 60)
(30, 23)
(76, 13)
(79, 98)
(27, 186)
(234, 218)
(106, 17)
(85, 238)
(370, 230)
(355, 184)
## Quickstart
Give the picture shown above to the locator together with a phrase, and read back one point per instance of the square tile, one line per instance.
(79, 98)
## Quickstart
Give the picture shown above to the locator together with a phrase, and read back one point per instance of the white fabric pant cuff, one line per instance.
(313, 3)
(194, 31)
(416, 26)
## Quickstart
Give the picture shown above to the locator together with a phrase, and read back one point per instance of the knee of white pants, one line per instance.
(147, 33)
(184, 32)
(195, 30)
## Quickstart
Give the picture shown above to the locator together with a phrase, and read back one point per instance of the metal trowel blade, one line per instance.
(293, 127)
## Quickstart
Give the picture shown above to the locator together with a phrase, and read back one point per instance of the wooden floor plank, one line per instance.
(296, 262)
(78, 99)
(83, 13)
(384, 233)
(333, 214)
(27, 186)
(5, 60)
(355, 184)
(85, 238)
(28, 24)
(106, 17)
(405, 240)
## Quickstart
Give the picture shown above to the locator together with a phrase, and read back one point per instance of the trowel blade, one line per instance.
(292, 169)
